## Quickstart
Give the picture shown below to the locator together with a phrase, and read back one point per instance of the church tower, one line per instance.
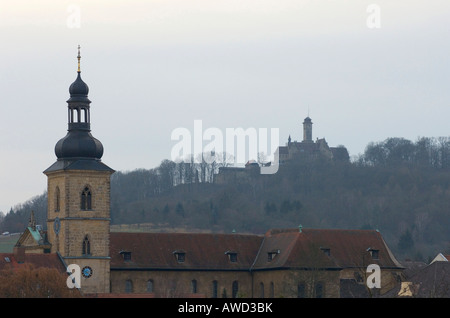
(78, 183)
(307, 130)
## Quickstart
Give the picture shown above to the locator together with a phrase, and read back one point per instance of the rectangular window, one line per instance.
(214, 289)
(232, 256)
(301, 290)
(375, 254)
(180, 256)
(126, 255)
(326, 251)
(271, 255)
(319, 290)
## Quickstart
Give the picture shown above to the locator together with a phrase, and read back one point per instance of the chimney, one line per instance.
(19, 254)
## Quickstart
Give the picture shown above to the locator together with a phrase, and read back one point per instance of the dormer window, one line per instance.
(232, 256)
(326, 251)
(374, 253)
(126, 255)
(272, 254)
(180, 256)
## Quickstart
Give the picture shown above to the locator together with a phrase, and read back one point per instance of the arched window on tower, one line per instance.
(86, 249)
(57, 199)
(86, 199)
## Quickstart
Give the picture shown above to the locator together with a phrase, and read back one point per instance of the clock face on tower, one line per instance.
(86, 271)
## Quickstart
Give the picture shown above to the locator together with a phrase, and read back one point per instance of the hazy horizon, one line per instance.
(154, 66)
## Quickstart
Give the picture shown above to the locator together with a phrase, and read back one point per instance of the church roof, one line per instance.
(78, 142)
(79, 91)
(288, 248)
(35, 234)
(207, 251)
(324, 248)
(80, 164)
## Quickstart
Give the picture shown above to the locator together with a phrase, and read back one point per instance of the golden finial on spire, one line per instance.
(79, 57)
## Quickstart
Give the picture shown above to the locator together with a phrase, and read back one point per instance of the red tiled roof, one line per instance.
(347, 248)
(202, 250)
(38, 260)
(289, 247)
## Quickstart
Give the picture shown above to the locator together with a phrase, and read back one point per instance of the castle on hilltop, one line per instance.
(291, 152)
(307, 148)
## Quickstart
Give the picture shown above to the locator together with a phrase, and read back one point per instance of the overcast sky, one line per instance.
(363, 73)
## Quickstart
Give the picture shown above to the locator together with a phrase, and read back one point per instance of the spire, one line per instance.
(79, 90)
(79, 143)
(32, 221)
(79, 58)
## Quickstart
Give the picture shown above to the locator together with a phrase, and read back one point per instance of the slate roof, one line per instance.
(78, 164)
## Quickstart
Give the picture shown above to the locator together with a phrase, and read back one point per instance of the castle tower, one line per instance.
(307, 130)
(78, 215)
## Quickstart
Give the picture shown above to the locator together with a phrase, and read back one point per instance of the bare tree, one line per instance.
(30, 282)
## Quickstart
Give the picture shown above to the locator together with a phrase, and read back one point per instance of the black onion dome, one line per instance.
(79, 144)
(79, 91)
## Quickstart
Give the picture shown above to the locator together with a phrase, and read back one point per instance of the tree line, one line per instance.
(425, 152)
(399, 187)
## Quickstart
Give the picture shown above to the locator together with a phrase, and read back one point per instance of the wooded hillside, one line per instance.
(399, 187)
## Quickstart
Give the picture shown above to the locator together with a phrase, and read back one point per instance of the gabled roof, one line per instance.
(32, 238)
(329, 248)
(441, 257)
(203, 251)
